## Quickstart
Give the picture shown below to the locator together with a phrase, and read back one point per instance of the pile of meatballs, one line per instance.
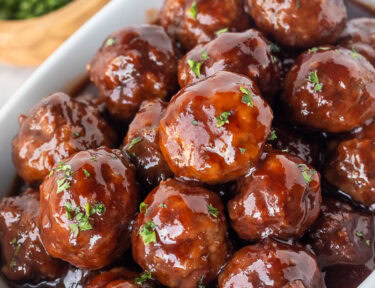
(231, 145)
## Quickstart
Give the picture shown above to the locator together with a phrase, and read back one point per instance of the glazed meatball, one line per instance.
(298, 144)
(121, 278)
(193, 22)
(299, 23)
(352, 169)
(214, 130)
(342, 235)
(55, 128)
(87, 204)
(247, 53)
(23, 255)
(330, 89)
(142, 144)
(359, 35)
(134, 64)
(271, 265)
(180, 235)
(281, 198)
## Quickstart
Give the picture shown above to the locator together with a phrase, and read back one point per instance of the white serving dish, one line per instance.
(65, 68)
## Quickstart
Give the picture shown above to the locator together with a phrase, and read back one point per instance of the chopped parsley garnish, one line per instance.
(314, 79)
(64, 183)
(359, 234)
(193, 10)
(93, 158)
(223, 119)
(143, 278)
(242, 150)
(87, 173)
(316, 49)
(274, 48)
(272, 136)
(195, 67)
(212, 210)
(194, 122)
(162, 205)
(110, 42)
(298, 4)
(76, 134)
(307, 173)
(81, 220)
(221, 31)
(204, 55)
(16, 245)
(147, 232)
(354, 54)
(247, 98)
(143, 207)
(133, 142)
(200, 284)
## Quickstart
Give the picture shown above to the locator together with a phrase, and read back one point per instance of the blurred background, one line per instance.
(30, 30)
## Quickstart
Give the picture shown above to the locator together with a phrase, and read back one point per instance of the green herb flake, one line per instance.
(143, 278)
(93, 158)
(194, 122)
(143, 207)
(200, 284)
(221, 31)
(212, 210)
(204, 55)
(110, 42)
(272, 136)
(87, 173)
(74, 231)
(133, 142)
(62, 185)
(247, 97)
(314, 79)
(354, 54)
(147, 232)
(316, 49)
(307, 173)
(13, 242)
(274, 48)
(98, 209)
(223, 119)
(359, 234)
(242, 150)
(162, 205)
(193, 10)
(195, 67)
(298, 4)
(76, 134)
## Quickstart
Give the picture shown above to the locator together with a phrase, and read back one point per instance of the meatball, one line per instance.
(330, 89)
(193, 22)
(271, 264)
(134, 64)
(23, 255)
(298, 23)
(352, 169)
(214, 130)
(281, 198)
(180, 235)
(87, 204)
(142, 144)
(247, 53)
(298, 144)
(342, 235)
(359, 35)
(121, 278)
(55, 128)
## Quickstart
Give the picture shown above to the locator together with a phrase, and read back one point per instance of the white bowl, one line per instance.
(64, 69)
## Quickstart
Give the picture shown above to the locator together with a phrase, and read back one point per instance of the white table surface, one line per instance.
(11, 78)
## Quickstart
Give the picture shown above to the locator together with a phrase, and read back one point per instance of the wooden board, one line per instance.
(30, 42)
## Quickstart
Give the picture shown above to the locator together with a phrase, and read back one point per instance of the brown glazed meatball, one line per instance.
(87, 204)
(180, 235)
(247, 53)
(142, 144)
(352, 169)
(134, 64)
(271, 265)
(330, 89)
(298, 144)
(360, 36)
(215, 129)
(299, 23)
(121, 278)
(23, 255)
(281, 198)
(193, 22)
(342, 235)
(55, 128)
